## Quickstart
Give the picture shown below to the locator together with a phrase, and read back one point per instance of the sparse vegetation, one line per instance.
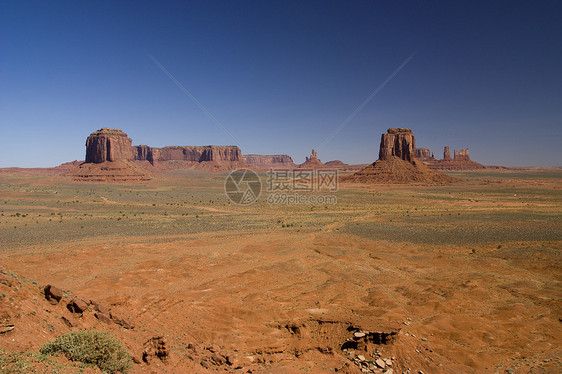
(94, 347)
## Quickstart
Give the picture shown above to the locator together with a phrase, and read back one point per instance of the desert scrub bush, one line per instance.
(95, 347)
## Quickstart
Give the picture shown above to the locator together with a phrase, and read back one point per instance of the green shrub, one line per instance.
(91, 347)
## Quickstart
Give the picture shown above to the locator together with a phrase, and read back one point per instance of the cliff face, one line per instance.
(187, 153)
(462, 155)
(446, 154)
(460, 161)
(397, 142)
(109, 159)
(397, 164)
(423, 154)
(108, 145)
(268, 161)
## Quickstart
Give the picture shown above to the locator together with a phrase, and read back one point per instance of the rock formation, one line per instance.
(109, 159)
(397, 164)
(312, 162)
(187, 153)
(205, 157)
(268, 161)
(313, 156)
(446, 153)
(462, 155)
(336, 164)
(108, 145)
(397, 142)
(461, 161)
(423, 154)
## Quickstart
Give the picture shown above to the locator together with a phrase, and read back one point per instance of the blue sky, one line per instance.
(281, 76)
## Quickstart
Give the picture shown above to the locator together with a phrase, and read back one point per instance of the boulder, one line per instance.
(102, 317)
(122, 322)
(99, 307)
(155, 347)
(53, 294)
(77, 306)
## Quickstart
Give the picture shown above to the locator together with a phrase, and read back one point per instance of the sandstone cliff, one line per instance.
(397, 142)
(423, 154)
(109, 159)
(187, 153)
(462, 155)
(209, 158)
(108, 145)
(461, 161)
(397, 163)
(446, 153)
(268, 161)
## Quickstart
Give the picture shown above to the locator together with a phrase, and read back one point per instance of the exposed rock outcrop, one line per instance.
(423, 154)
(172, 157)
(336, 164)
(312, 162)
(109, 158)
(397, 142)
(108, 145)
(268, 161)
(53, 294)
(187, 153)
(461, 161)
(446, 153)
(462, 155)
(397, 163)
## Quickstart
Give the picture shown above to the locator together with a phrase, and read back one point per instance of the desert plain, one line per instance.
(457, 278)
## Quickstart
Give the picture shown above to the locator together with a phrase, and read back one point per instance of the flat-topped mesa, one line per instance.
(398, 142)
(108, 145)
(229, 153)
(268, 161)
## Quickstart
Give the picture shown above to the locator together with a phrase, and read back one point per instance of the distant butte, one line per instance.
(210, 157)
(312, 162)
(460, 161)
(397, 163)
(109, 159)
(268, 161)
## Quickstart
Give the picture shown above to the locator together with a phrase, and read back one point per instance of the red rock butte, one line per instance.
(397, 163)
(397, 142)
(109, 158)
(108, 145)
(460, 161)
(312, 162)
(268, 161)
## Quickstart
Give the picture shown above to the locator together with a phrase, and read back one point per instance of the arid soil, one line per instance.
(460, 278)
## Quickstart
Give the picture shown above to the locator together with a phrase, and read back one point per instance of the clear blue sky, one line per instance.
(281, 76)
